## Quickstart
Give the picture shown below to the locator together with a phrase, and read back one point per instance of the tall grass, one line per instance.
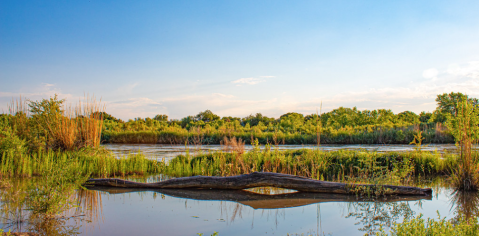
(96, 162)
(357, 135)
(338, 165)
(52, 124)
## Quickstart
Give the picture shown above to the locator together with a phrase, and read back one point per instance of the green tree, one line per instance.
(291, 120)
(46, 118)
(448, 102)
(106, 116)
(160, 117)
(424, 117)
(207, 116)
(254, 120)
(408, 117)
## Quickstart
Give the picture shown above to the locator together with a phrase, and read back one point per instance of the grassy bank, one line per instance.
(338, 165)
(346, 135)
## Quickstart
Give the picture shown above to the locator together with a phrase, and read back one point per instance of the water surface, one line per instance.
(167, 152)
(113, 211)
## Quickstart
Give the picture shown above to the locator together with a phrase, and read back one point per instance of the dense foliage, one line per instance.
(339, 126)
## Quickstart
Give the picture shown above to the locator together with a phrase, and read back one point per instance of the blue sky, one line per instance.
(239, 57)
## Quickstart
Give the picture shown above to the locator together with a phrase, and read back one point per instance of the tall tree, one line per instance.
(160, 117)
(447, 102)
(207, 116)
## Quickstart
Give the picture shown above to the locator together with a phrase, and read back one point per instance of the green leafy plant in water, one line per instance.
(53, 194)
(417, 141)
(424, 227)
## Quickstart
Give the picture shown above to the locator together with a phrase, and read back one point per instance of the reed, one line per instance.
(341, 165)
(96, 162)
(317, 135)
(51, 124)
(233, 145)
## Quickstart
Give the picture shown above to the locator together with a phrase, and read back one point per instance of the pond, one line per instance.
(160, 151)
(265, 211)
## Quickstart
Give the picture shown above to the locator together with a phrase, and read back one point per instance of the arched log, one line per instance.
(260, 179)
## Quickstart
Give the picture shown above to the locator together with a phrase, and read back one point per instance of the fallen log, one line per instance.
(263, 179)
(261, 201)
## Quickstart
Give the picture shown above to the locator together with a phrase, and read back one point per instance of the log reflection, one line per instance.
(259, 201)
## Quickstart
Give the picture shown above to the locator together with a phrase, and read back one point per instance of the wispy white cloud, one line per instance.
(135, 107)
(416, 96)
(252, 80)
(223, 95)
(469, 70)
(127, 88)
(45, 90)
(221, 104)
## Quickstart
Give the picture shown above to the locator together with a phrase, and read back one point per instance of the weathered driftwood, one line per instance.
(260, 201)
(259, 179)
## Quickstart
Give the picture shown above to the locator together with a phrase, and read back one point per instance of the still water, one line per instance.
(160, 151)
(265, 211)
(176, 212)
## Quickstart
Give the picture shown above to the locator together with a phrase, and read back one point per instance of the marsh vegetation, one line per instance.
(48, 149)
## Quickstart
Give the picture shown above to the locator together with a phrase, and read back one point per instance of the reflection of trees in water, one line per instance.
(89, 203)
(52, 226)
(16, 217)
(230, 211)
(465, 205)
(374, 215)
(12, 200)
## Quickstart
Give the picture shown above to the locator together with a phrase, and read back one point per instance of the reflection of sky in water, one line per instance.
(160, 151)
(149, 213)
(154, 213)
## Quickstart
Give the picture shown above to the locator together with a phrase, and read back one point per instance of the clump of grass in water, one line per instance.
(51, 195)
(97, 161)
(42, 204)
(324, 165)
(465, 129)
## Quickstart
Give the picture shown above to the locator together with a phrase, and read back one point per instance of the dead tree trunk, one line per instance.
(261, 179)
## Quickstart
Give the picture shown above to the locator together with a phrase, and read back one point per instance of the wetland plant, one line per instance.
(430, 226)
(464, 126)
